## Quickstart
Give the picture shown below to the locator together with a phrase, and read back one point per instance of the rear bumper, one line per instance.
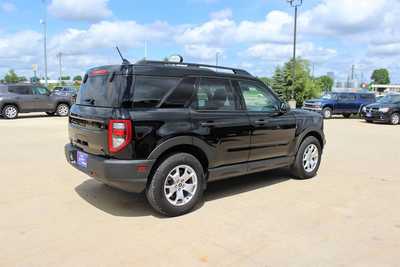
(128, 175)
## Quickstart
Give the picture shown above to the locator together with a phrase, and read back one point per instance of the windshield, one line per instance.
(390, 99)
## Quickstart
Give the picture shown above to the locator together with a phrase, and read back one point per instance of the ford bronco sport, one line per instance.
(169, 128)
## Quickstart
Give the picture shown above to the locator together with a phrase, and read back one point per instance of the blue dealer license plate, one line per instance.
(82, 159)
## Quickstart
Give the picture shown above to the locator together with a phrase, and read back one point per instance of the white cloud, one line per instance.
(222, 14)
(107, 34)
(87, 10)
(202, 52)
(7, 7)
(279, 52)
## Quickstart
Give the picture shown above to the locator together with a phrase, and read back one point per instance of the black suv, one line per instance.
(387, 109)
(168, 129)
(25, 98)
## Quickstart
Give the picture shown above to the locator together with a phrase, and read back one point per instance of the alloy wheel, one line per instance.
(11, 112)
(395, 119)
(181, 185)
(62, 110)
(310, 158)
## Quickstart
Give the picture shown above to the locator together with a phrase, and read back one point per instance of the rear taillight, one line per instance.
(119, 135)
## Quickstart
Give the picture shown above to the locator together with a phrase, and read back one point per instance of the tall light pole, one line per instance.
(296, 4)
(44, 23)
(59, 56)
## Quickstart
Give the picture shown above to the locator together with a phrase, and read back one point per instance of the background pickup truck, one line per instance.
(26, 98)
(344, 104)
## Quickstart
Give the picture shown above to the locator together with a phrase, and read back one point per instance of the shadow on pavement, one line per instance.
(33, 116)
(123, 204)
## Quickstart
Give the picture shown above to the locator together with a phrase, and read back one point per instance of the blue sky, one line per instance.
(255, 35)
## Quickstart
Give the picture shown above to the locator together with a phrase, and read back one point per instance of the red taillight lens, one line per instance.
(119, 134)
(98, 73)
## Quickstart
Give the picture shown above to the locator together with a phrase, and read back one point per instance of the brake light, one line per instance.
(98, 73)
(119, 135)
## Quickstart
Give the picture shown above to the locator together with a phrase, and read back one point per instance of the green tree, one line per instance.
(381, 76)
(267, 81)
(65, 78)
(11, 77)
(326, 83)
(78, 78)
(303, 87)
(279, 84)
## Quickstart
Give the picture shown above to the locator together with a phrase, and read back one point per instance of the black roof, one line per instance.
(164, 68)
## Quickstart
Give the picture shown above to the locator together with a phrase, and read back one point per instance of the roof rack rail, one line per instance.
(195, 65)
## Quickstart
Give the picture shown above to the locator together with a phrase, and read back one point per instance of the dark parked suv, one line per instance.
(169, 128)
(387, 109)
(25, 98)
(344, 104)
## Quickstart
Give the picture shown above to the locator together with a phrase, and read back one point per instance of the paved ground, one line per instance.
(52, 215)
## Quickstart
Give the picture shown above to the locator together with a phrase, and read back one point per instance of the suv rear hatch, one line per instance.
(96, 105)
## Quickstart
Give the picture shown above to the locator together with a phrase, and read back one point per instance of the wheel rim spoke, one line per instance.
(180, 185)
(310, 158)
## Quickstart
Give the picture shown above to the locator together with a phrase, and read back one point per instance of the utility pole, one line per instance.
(44, 23)
(59, 56)
(295, 4)
(145, 49)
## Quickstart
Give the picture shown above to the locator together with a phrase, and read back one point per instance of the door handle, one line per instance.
(208, 124)
(260, 122)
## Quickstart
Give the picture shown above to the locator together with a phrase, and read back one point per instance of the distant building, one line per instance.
(381, 89)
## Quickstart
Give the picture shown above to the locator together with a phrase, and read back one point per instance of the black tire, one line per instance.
(298, 169)
(50, 113)
(395, 118)
(62, 110)
(347, 116)
(10, 112)
(155, 189)
(369, 121)
(327, 113)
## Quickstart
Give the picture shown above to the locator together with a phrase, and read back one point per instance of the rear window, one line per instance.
(20, 90)
(149, 91)
(100, 91)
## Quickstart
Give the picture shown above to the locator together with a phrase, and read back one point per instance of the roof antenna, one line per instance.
(124, 60)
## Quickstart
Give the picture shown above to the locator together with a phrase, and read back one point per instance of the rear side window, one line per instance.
(20, 90)
(181, 95)
(149, 91)
(367, 96)
(215, 95)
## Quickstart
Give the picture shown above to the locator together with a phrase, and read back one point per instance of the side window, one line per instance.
(149, 91)
(181, 95)
(215, 95)
(20, 90)
(258, 98)
(347, 98)
(40, 91)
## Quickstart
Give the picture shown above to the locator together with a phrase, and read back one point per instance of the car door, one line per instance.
(23, 96)
(273, 131)
(219, 119)
(346, 103)
(42, 99)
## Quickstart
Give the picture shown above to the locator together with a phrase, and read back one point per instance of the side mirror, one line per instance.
(284, 107)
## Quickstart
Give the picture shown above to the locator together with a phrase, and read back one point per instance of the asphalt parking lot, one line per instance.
(52, 215)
